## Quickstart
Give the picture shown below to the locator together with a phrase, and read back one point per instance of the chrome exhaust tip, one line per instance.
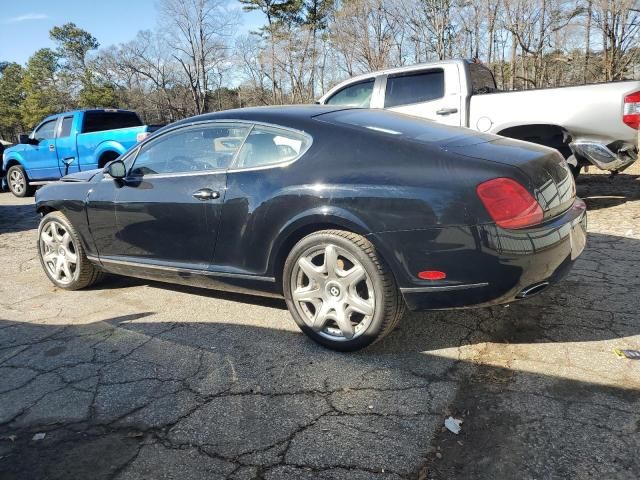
(532, 290)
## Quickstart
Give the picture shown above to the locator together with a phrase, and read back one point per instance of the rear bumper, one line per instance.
(605, 158)
(485, 265)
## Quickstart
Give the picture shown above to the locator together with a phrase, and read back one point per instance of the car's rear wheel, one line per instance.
(18, 182)
(339, 291)
(62, 255)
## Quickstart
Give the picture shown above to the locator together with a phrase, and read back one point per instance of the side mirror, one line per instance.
(24, 139)
(117, 169)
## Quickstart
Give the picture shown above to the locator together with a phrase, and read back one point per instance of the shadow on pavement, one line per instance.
(536, 383)
(601, 191)
(129, 397)
(206, 400)
(18, 218)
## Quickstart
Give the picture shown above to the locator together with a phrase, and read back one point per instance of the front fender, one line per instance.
(12, 157)
(70, 198)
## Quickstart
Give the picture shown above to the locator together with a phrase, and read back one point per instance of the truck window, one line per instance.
(45, 130)
(482, 80)
(65, 128)
(414, 88)
(106, 120)
(354, 95)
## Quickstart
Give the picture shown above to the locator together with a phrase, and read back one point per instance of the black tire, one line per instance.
(389, 304)
(18, 182)
(106, 158)
(85, 273)
(575, 170)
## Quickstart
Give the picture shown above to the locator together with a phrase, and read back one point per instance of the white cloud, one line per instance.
(26, 17)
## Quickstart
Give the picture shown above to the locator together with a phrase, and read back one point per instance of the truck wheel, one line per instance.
(575, 170)
(62, 255)
(339, 291)
(18, 182)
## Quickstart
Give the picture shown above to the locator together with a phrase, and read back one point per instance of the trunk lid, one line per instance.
(550, 181)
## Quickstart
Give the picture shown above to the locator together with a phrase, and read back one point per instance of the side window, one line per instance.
(192, 149)
(268, 146)
(45, 131)
(357, 95)
(65, 128)
(414, 88)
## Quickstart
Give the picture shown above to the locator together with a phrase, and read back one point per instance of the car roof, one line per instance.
(287, 115)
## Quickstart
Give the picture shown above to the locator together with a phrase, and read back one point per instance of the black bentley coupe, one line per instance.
(351, 214)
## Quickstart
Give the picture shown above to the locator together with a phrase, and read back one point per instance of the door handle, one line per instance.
(446, 111)
(206, 194)
(52, 147)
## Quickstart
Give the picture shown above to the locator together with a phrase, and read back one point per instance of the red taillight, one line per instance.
(631, 113)
(509, 203)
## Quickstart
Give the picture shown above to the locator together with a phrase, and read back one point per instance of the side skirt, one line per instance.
(200, 278)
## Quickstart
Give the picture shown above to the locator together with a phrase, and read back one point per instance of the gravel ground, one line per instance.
(140, 380)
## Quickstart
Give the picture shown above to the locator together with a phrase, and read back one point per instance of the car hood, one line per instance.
(81, 176)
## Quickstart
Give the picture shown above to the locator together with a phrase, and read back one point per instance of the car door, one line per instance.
(424, 93)
(41, 159)
(167, 209)
(66, 146)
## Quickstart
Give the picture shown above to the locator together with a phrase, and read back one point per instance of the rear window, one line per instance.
(391, 124)
(414, 88)
(100, 121)
(482, 80)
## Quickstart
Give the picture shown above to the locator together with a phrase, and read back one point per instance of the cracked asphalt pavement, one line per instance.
(140, 380)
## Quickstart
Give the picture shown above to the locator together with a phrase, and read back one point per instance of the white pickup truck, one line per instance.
(591, 124)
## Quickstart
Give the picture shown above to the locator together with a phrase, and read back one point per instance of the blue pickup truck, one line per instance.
(68, 143)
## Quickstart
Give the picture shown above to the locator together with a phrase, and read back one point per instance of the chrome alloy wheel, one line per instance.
(333, 292)
(17, 182)
(59, 254)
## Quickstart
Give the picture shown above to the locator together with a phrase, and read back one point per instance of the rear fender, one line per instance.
(313, 220)
(105, 147)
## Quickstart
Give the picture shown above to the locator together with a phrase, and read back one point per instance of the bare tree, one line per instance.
(619, 23)
(364, 34)
(199, 32)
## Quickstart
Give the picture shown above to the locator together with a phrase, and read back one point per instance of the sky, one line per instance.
(25, 24)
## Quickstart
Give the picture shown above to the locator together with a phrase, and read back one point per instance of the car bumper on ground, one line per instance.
(484, 265)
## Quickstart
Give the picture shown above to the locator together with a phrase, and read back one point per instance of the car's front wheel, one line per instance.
(339, 291)
(18, 182)
(62, 255)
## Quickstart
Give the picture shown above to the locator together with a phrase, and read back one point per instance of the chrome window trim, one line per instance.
(231, 169)
(177, 129)
(282, 164)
